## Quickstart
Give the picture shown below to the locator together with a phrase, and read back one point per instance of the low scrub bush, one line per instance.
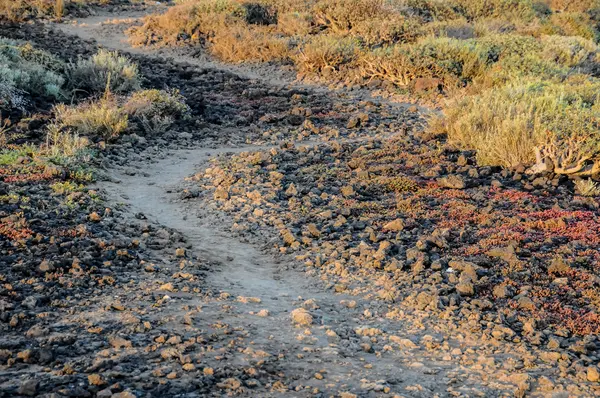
(191, 22)
(571, 24)
(386, 30)
(453, 62)
(103, 118)
(240, 44)
(105, 70)
(574, 5)
(26, 71)
(508, 45)
(568, 50)
(61, 143)
(519, 10)
(10, 97)
(21, 10)
(454, 29)
(5, 136)
(18, 10)
(514, 68)
(295, 23)
(340, 16)
(326, 54)
(444, 10)
(156, 110)
(157, 102)
(493, 26)
(523, 124)
(257, 13)
(433, 10)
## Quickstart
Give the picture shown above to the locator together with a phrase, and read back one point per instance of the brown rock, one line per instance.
(526, 303)
(230, 384)
(558, 266)
(291, 190)
(28, 387)
(119, 342)
(353, 123)
(95, 380)
(502, 291)
(395, 226)
(221, 194)
(455, 181)
(465, 288)
(592, 374)
(301, 317)
(46, 266)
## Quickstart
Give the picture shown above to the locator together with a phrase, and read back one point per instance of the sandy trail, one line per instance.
(152, 186)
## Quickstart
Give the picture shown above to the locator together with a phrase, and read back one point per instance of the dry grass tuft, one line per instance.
(102, 118)
(326, 54)
(239, 44)
(21, 10)
(587, 187)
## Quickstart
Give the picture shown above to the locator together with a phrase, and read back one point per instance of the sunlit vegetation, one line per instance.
(478, 54)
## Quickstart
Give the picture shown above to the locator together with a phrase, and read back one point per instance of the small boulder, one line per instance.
(394, 226)
(592, 374)
(301, 317)
(455, 181)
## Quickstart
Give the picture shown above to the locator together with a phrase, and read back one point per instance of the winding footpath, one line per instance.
(213, 313)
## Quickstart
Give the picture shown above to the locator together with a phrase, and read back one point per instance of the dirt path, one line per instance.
(217, 319)
(321, 353)
(241, 270)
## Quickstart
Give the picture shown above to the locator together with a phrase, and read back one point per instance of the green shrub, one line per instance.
(156, 110)
(514, 68)
(433, 10)
(454, 62)
(28, 71)
(157, 102)
(104, 70)
(509, 126)
(454, 29)
(11, 97)
(520, 10)
(508, 45)
(444, 10)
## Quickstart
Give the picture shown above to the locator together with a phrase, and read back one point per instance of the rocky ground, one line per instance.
(289, 241)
